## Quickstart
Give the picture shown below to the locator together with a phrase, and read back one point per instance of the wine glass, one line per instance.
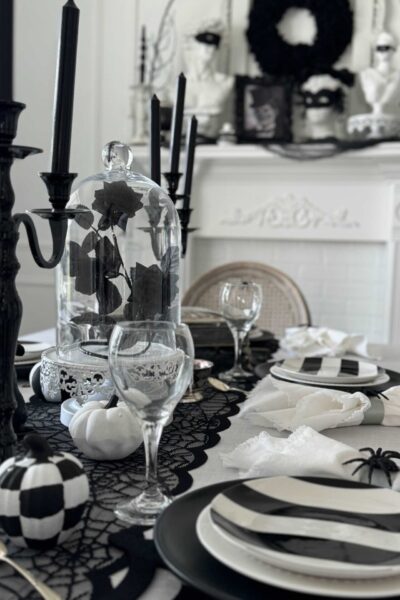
(151, 373)
(240, 304)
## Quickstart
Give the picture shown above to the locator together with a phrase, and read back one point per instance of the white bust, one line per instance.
(322, 99)
(381, 82)
(207, 90)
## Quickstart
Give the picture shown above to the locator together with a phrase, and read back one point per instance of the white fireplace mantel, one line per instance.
(332, 224)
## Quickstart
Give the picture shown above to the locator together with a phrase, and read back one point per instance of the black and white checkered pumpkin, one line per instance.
(42, 495)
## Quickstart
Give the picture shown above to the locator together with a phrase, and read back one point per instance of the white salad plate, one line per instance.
(328, 370)
(314, 526)
(241, 561)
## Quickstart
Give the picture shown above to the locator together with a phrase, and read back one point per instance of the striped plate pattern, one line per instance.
(316, 526)
(328, 369)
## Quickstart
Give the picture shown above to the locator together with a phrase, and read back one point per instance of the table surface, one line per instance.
(213, 471)
(387, 437)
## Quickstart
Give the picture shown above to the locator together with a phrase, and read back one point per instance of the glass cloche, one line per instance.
(121, 260)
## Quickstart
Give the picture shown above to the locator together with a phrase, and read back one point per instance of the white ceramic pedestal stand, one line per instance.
(374, 126)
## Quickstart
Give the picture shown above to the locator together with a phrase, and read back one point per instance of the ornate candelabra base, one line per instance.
(12, 407)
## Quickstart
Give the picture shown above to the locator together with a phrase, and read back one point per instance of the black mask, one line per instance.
(324, 98)
(384, 48)
(207, 37)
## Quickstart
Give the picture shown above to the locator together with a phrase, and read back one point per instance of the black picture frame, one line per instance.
(263, 110)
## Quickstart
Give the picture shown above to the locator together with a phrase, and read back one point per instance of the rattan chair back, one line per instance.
(283, 303)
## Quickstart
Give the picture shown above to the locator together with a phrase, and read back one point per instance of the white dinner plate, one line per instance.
(249, 565)
(314, 526)
(328, 370)
(381, 379)
(33, 352)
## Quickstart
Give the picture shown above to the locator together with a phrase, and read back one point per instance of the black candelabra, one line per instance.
(173, 176)
(184, 212)
(58, 183)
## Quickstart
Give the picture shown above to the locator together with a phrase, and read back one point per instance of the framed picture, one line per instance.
(263, 110)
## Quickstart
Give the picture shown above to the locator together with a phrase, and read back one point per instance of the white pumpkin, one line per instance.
(105, 431)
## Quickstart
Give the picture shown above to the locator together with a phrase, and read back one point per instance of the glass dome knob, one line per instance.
(116, 156)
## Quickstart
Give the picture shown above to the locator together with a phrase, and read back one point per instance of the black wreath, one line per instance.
(334, 20)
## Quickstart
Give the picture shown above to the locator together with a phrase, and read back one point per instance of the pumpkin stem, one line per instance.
(37, 446)
(113, 401)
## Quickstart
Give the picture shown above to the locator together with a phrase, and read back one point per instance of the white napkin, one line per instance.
(321, 341)
(286, 406)
(304, 453)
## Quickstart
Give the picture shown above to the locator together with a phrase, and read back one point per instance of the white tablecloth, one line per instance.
(164, 585)
(368, 435)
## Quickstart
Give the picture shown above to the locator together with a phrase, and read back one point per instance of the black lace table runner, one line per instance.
(67, 569)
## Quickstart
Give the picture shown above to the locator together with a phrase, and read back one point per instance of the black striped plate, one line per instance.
(328, 370)
(316, 526)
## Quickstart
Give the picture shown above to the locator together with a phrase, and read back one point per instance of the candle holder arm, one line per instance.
(58, 228)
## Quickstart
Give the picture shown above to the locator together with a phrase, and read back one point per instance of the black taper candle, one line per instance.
(155, 142)
(177, 120)
(64, 96)
(6, 49)
(190, 151)
(143, 52)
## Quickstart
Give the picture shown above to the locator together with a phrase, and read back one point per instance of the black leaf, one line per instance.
(108, 258)
(74, 258)
(92, 318)
(108, 297)
(89, 242)
(123, 222)
(147, 292)
(85, 219)
(132, 312)
(154, 210)
(170, 288)
(83, 268)
(85, 281)
(104, 223)
(170, 260)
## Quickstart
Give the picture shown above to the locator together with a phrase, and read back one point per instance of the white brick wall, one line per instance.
(347, 285)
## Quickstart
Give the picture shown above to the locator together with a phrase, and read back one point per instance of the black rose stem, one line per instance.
(155, 146)
(173, 175)
(58, 182)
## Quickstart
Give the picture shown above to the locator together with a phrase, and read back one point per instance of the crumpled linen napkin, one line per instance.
(305, 453)
(322, 341)
(286, 406)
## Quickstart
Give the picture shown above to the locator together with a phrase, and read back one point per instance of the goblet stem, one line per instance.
(151, 437)
(239, 335)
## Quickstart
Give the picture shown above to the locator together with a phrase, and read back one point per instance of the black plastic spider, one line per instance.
(377, 460)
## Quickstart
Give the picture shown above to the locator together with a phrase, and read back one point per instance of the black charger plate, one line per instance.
(177, 543)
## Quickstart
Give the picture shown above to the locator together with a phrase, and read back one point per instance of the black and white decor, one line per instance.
(315, 526)
(42, 496)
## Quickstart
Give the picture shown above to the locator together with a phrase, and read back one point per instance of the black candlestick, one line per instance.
(64, 100)
(177, 120)
(173, 184)
(6, 49)
(184, 217)
(190, 151)
(143, 52)
(155, 143)
(12, 405)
